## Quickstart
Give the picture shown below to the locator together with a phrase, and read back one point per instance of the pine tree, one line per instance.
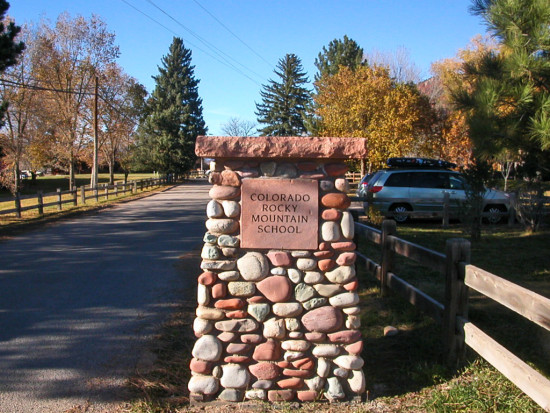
(174, 120)
(344, 52)
(284, 103)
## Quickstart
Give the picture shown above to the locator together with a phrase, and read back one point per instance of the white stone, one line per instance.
(218, 226)
(241, 288)
(341, 275)
(293, 355)
(203, 295)
(214, 209)
(255, 394)
(292, 324)
(232, 209)
(340, 372)
(295, 345)
(287, 309)
(203, 385)
(330, 231)
(223, 265)
(274, 328)
(210, 252)
(300, 254)
(347, 225)
(352, 310)
(353, 322)
(295, 334)
(313, 277)
(349, 362)
(390, 331)
(207, 348)
(202, 327)
(328, 290)
(208, 313)
(304, 292)
(217, 372)
(334, 390)
(342, 184)
(278, 271)
(344, 300)
(294, 275)
(323, 367)
(326, 350)
(259, 311)
(356, 381)
(229, 275)
(253, 266)
(315, 384)
(306, 264)
(235, 376)
(326, 185)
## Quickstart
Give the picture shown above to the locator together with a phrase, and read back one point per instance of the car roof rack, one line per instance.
(419, 163)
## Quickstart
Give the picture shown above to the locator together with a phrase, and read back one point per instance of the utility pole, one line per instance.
(94, 180)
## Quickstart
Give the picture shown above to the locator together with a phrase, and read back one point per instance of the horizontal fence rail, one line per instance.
(452, 314)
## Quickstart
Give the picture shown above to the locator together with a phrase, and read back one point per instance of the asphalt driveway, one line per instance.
(80, 299)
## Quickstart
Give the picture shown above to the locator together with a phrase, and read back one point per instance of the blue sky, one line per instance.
(430, 30)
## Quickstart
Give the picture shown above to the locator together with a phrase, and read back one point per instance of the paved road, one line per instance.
(79, 299)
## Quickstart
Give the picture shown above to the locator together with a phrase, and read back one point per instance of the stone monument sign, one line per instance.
(278, 314)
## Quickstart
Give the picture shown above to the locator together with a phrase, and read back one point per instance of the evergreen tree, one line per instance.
(507, 93)
(174, 115)
(344, 52)
(284, 103)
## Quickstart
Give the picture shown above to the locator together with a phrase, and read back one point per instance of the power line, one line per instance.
(231, 32)
(34, 87)
(225, 63)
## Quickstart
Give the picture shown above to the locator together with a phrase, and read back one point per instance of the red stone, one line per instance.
(304, 374)
(323, 319)
(336, 200)
(265, 371)
(343, 246)
(290, 147)
(236, 314)
(227, 336)
(325, 246)
(268, 351)
(307, 166)
(307, 395)
(207, 278)
(201, 366)
(276, 288)
(252, 338)
(284, 364)
(336, 169)
(292, 383)
(230, 178)
(230, 304)
(237, 359)
(326, 264)
(280, 395)
(224, 192)
(248, 174)
(256, 299)
(219, 290)
(323, 254)
(346, 258)
(355, 348)
(352, 286)
(315, 337)
(302, 362)
(238, 348)
(331, 214)
(345, 337)
(279, 258)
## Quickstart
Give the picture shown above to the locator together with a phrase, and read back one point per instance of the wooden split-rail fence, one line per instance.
(79, 196)
(452, 314)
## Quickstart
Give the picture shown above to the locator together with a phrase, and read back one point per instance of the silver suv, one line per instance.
(421, 186)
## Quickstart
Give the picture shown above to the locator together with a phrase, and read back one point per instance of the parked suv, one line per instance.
(419, 185)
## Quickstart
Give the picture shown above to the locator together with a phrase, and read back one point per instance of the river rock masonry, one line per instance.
(278, 310)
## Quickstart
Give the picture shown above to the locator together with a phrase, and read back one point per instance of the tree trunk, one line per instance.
(111, 172)
(16, 178)
(362, 167)
(71, 171)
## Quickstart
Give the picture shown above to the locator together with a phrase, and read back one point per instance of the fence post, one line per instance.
(512, 210)
(457, 250)
(446, 201)
(40, 203)
(75, 196)
(83, 194)
(388, 228)
(116, 189)
(18, 205)
(106, 192)
(96, 194)
(59, 207)
(134, 187)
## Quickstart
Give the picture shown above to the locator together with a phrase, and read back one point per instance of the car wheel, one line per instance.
(494, 213)
(397, 209)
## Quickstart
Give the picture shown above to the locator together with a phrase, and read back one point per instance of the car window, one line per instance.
(374, 179)
(456, 181)
(437, 180)
(400, 179)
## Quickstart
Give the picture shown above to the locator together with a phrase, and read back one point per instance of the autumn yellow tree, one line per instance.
(368, 103)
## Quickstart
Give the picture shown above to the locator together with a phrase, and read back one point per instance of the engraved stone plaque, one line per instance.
(279, 214)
